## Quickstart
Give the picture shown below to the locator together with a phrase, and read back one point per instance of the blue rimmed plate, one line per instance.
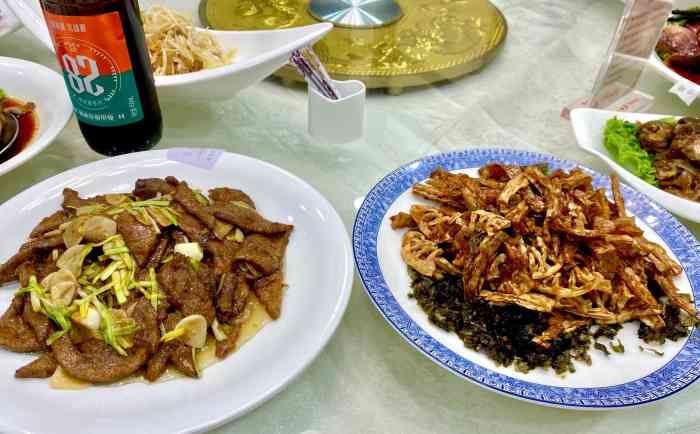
(621, 380)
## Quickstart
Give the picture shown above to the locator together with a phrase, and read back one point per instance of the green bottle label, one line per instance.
(118, 104)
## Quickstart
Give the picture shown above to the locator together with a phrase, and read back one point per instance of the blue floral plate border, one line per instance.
(677, 374)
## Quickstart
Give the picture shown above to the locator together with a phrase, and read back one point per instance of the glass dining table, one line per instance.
(368, 379)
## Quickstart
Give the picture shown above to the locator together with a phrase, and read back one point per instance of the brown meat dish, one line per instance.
(247, 219)
(550, 243)
(269, 291)
(97, 362)
(225, 195)
(679, 46)
(129, 284)
(187, 198)
(676, 151)
(152, 187)
(50, 223)
(15, 334)
(232, 296)
(187, 288)
(264, 252)
(141, 239)
(228, 345)
(42, 367)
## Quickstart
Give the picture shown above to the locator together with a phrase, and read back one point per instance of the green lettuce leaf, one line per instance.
(620, 139)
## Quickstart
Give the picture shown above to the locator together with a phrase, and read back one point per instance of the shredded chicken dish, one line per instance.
(521, 264)
(175, 46)
(122, 285)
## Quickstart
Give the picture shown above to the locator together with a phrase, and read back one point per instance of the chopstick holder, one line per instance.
(341, 120)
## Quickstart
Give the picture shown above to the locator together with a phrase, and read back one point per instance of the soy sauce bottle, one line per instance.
(101, 49)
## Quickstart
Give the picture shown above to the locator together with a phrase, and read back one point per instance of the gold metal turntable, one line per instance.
(385, 43)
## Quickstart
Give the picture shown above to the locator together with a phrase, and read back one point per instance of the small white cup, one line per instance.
(341, 120)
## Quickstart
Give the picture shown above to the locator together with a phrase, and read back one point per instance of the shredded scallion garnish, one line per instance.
(173, 334)
(112, 329)
(149, 202)
(54, 336)
(59, 314)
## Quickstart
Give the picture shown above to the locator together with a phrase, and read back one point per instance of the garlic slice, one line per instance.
(195, 330)
(99, 228)
(72, 259)
(222, 229)
(73, 232)
(92, 320)
(62, 286)
(191, 250)
(238, 235)
(219, 334)
(35, 300)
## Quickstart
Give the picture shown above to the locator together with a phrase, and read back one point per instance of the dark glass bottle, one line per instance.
(101, 49)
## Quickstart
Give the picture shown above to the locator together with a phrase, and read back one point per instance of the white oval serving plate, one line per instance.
(318, 271)
(629, 379)
(589, 125)
(31, 82)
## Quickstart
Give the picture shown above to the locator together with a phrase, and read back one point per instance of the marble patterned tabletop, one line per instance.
(368, 380)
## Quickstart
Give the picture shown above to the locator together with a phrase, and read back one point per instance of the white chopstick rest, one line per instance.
(341, 120)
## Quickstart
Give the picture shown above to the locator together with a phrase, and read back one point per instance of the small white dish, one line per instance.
(8, 21)
(588, 127)
(258, 54)
(318, 272)
(31, 82)
(668, 73)
(341, 120)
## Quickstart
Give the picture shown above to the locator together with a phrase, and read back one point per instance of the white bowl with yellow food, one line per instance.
(193, 63)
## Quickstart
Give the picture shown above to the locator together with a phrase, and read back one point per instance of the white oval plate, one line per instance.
(629, 379)
(318, 271)
(589, 125)
(31, 82)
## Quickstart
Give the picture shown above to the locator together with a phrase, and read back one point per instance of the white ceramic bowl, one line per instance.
(8, 21)
(588, 127)
(35, 83)
(258, 55)
(660, 67)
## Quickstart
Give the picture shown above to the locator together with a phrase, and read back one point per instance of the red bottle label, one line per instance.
(94, 57)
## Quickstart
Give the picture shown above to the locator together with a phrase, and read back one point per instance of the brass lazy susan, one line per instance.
(390, 44)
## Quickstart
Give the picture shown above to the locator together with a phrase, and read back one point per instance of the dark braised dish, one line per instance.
(663, 152)
(532, 268)
(678, 47)
(18, 124)
(120, 286)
